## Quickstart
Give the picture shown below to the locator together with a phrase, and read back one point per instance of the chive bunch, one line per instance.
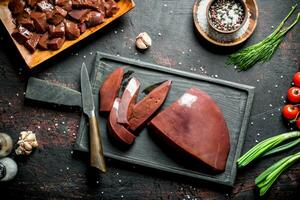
(264, 50)
(267, 147)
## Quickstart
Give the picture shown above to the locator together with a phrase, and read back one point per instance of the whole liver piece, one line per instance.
(116, 130)
(195, 125)
(145, 108)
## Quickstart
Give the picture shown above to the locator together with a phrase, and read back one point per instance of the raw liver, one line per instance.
(195, 125)
(57, 31)
(110, 88)
(72, 30)
(78, 15)
(144, 109)
(93, 18)
(65, 4)
(25, 21)
(40, 22)
(128, 100)
(31, 44)
(118, 131)
(43, 42)
(16, 6)
(55, 43)
(57, 16)
(111, 7)
(21, 34)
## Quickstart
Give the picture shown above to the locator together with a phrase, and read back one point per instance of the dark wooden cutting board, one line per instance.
(235, 101)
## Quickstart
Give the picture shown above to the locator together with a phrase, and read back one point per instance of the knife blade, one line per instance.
(96, 150)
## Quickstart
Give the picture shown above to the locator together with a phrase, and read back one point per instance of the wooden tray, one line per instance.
(235, 100)
(32, 60)
(253, 9)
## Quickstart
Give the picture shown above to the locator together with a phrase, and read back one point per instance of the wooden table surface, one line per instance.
(54, 172)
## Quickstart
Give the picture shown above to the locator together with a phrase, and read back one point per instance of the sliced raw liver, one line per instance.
(72, 30)
(21, 34)
(78, 15)
(40, 21)
(118, 131)
(43, 41)
(128, 100)
(92, 4)
(110, 88)
(57, 16)
(195, 124)
(93, 18)
(57, 31)
(55, 43)
(31, 44)
(145, 108)
(16, 6)
(65, 4)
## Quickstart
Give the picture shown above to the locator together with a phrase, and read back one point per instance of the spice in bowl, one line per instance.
(226, 16)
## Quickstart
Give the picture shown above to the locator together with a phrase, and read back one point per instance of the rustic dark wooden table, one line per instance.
(53, 172)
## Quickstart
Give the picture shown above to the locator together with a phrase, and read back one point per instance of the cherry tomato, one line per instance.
(290, 112)
(294, 95)
(296, 79)
(298, 123)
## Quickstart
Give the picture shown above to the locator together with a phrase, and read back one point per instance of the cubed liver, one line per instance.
(64, 4)
(110, 88)
(72, 30)
(195, 124)
(21, 34)
(111, 7)
(57, 15)
(144, 109)
(57, 31)
(16, 6)
(31, 44)
(55, 43)
(40, 21)
(93, 18)
(43, 41)
(78, 15)
(31, 3)
(25, 21)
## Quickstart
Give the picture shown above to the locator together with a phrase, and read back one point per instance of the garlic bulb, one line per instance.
(27, 141)
(143, 41)
(8, 169)
(6, 144)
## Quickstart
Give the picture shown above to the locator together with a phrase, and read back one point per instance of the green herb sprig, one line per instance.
(265, 180)
(269, 145)
(264, 50)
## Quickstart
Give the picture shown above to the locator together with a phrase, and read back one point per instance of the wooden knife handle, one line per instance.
(96, 150)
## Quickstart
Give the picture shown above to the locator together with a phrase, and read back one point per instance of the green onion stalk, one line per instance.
(269, 146)
(264, 50)
(265, 180)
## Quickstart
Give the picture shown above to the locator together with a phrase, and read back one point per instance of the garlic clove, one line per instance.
(143, 41)
(27, 146)
(6, 144)
(34, 144)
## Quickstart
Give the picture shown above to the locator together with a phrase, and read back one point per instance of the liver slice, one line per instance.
(110, 88)
(118, 131)
(78, 15)
(128, 100)
(144, 109)
(195, 125)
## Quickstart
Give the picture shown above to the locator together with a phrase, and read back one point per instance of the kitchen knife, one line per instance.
(96, 150)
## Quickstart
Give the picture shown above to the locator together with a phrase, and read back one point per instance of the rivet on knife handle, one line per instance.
(97, 158)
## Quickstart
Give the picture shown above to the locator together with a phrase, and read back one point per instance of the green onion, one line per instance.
(265, 180)
(264, 50)
(267, 145)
